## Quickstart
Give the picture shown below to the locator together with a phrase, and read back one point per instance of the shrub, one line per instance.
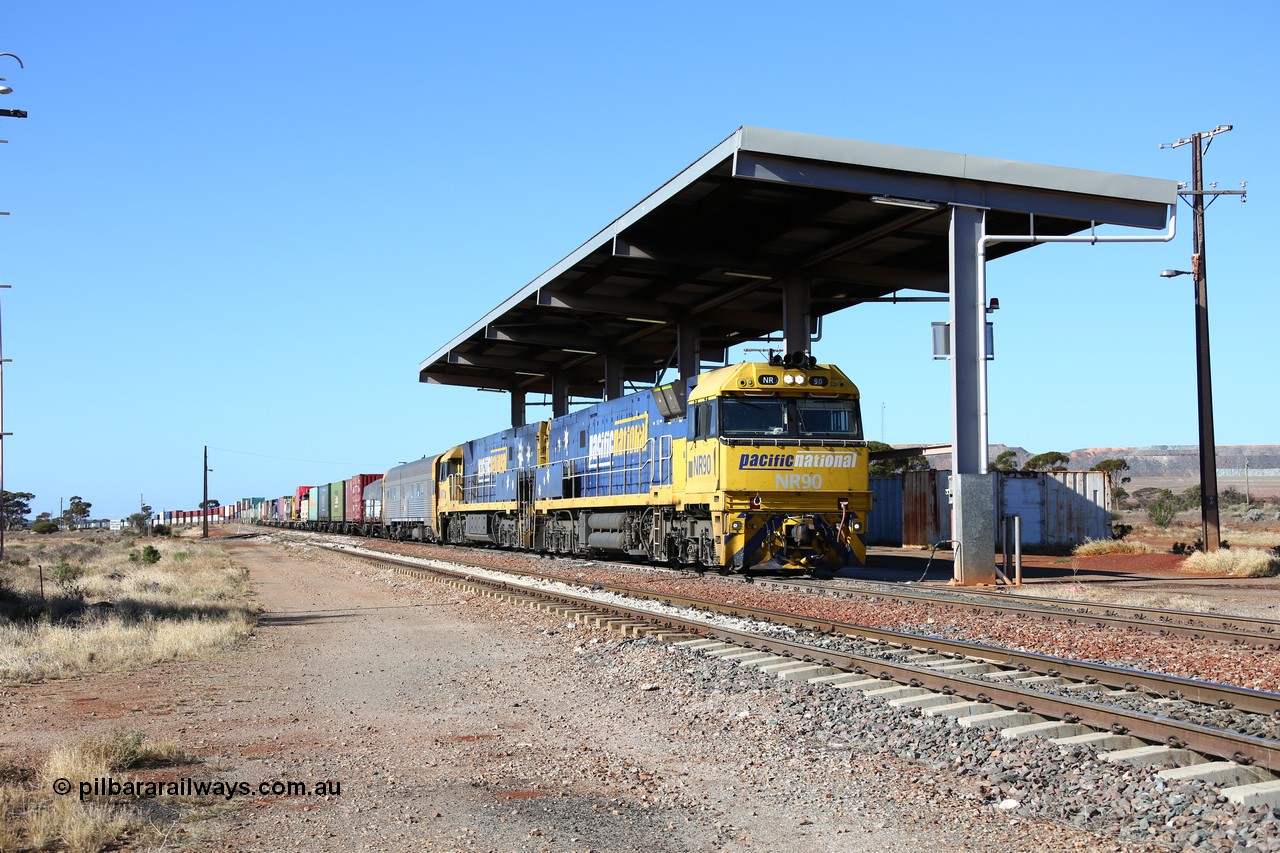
(161, 530)
(44, 528)
(67, 577)
(1095, 547)
(1231, 496)
(1242, 562)
(1197, 545)
(148, 555)
(1162, 510)
(1149, 494)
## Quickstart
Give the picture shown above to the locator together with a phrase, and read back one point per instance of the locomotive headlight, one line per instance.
(857, 525)
(789, 379)
(798, 379)
(736, 527)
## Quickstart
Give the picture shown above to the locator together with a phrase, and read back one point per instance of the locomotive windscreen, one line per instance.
(754, 417)
(830, 419)
(774, 417)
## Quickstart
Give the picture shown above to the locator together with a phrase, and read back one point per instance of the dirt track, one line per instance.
(464, 724)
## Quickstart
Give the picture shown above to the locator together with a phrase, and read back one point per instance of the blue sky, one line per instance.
(245, 224)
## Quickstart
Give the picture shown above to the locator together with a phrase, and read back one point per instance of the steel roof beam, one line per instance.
(649, 311)
(703, 261)
(881, 277)
(439, 377)
(1089, 199)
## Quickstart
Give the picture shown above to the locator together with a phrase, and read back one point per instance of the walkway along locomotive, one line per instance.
(752, 464)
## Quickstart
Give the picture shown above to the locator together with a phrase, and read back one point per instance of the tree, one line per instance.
(1006, 461)
(14, 508)
(77, 512)
(209, 504)
(1162, 510)
(140, 519)
(1051, 461)
(894, 467)
(1150, 494)
(1111, 466)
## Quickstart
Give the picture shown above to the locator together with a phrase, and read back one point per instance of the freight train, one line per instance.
(748, 465)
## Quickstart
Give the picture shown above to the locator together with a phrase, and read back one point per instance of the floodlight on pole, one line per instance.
(4, 521)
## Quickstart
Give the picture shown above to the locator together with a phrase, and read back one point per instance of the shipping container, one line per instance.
(324, 495)
(884, 526)
(353, 510)
(313, 503)
(337, 500)
(926, 509)
(301, 495)
(1057, 508)
(372, 500)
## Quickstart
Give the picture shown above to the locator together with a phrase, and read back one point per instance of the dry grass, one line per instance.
(1087, 592)
(1239, 562)
(112, 611)
(33, 817)
(1097, 547)
(104, 608)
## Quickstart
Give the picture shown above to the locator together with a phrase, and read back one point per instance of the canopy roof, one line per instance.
(717, 243)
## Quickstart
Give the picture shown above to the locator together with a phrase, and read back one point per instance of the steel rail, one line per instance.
(1168, 686)
(1232, 630)
(1241, 748)
(1244, 749)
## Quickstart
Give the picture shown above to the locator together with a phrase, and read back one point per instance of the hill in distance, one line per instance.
(1159, 460)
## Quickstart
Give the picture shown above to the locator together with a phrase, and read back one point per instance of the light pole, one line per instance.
(1209, 527)
(1200, 142)
(204, 507)
(4, 521)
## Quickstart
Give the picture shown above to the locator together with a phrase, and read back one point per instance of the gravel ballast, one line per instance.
(676, 750)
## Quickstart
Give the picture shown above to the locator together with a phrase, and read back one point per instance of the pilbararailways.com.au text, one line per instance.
(105, 786)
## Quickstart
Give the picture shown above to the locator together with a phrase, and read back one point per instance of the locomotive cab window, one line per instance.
(797, 418)
(753, 417)
(829, 418)
(703, 419)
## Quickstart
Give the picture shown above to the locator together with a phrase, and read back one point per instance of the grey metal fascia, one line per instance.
(966, 167)
(696, 170)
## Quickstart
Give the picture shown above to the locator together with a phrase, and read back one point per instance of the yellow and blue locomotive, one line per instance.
(746, 465)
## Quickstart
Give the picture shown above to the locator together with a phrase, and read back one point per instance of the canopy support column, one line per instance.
(612, 376)
(560, 395)
(796, 322)
(517, 408)
(972, 487)
(688, 351)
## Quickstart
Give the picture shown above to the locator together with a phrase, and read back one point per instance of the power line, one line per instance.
(293, 459)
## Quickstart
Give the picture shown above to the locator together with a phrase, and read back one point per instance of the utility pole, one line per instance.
(204, 507)
(4, 521)
(1200, 143)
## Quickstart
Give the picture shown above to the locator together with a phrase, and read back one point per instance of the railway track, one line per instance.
(1226, 735)
(1222, 628)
